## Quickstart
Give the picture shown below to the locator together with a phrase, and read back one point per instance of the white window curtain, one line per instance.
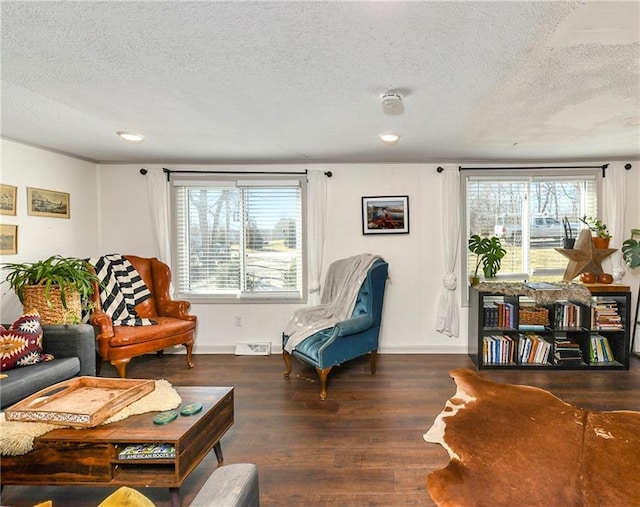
(158, 191)
(615, 202)
(316, 218)
(447, 320)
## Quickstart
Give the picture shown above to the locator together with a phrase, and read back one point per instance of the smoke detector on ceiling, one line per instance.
(392, 103)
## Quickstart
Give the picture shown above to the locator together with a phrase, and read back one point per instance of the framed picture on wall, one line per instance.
(8, 239)
(47, 203)
(385, 214)
(7, 199)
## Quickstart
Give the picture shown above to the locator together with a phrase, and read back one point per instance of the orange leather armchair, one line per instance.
(118, 344)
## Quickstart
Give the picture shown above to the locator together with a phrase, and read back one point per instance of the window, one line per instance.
(239, 238)
(526, 211)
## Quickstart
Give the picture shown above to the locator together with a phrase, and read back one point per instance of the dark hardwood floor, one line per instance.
(363, 446)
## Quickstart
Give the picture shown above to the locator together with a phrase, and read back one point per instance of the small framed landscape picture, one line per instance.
(47, 203)
(7, 200)
(8, 239)
(385, 215)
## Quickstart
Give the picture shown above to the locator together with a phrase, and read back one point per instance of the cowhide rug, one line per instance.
(514, 445)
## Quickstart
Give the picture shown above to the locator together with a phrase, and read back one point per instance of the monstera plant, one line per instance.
(631, 252)
(489, 254)
(631, 256)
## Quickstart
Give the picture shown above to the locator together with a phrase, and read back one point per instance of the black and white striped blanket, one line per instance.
(121, 290)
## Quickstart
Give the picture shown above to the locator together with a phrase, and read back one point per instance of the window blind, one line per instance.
(242, 239)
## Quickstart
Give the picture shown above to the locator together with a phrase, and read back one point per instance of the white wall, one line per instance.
(40, 237)
(120, 207)
(415, 259)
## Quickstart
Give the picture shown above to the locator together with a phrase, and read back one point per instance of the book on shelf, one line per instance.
(497, 349)
(605, 314)
(498, 314)
(531, 327)
(567, 353)
(567, 314)
(600, 350)
(533, 349)
(148, 451)
(542, 286)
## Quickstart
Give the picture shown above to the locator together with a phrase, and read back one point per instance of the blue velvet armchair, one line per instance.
(349, 338)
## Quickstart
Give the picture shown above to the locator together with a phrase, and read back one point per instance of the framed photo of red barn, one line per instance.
(385, 214)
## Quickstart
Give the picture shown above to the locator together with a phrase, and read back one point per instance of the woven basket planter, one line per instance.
(52, 311)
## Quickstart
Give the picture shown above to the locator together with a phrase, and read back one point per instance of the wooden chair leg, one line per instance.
(374, 361)
(323, 374)
(189, 347)
(160, 353)
(287, 361)
(120, 366)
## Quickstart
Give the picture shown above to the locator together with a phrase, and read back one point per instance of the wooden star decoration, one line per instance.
(584, 258)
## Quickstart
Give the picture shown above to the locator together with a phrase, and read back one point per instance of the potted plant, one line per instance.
(489, 254)
(631, 257)
(57, 287)
(602, 236)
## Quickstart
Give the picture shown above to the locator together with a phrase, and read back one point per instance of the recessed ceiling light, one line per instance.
(131, 137)
(389, 138)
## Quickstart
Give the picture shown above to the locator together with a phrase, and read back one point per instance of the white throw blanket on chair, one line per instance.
(342, 284)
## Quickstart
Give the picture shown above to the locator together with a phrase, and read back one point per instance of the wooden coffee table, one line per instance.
(89, 457)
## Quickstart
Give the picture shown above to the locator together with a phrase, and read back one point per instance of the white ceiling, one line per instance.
(278, 81)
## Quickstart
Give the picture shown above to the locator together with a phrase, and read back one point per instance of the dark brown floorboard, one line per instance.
(363, 446)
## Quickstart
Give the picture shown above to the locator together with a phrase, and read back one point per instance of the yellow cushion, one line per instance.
(126, 497)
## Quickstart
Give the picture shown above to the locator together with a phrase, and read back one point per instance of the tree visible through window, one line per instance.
(527, 211)
(239, 238)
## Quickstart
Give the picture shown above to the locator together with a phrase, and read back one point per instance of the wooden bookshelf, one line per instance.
(574, 336)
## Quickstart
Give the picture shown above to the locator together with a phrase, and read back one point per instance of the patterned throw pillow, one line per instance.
(21, 344)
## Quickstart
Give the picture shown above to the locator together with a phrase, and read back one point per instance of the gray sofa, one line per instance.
(230, 486)
(74, 349)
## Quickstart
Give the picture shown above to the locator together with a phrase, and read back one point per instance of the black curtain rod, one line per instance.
(603, 167)
(169, 172)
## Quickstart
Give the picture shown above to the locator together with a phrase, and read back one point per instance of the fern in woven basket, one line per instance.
(58, 279)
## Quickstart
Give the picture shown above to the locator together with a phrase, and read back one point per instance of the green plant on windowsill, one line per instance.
(57, 287)
(596, 226)
(489, 254)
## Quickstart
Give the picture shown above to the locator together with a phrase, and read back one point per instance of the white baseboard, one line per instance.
(277, 349)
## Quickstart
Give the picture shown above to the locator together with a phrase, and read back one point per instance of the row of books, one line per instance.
(567, 314)
(499, 314)
(600, 350)
(501, 349)
(498, 349)
(605, 314)
(533, 349)
(148, 451)
(566, 352)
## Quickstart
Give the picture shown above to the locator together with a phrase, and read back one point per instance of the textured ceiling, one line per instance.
(301, 81)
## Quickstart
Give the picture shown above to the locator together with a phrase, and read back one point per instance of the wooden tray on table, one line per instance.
(84, 402)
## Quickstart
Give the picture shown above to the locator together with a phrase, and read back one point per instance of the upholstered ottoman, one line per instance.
(230, 486)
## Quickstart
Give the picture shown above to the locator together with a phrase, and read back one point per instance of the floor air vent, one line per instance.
(253, 349)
